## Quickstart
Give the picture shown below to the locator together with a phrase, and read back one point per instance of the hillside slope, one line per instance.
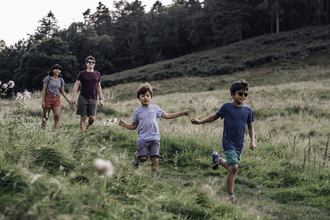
(247, 54)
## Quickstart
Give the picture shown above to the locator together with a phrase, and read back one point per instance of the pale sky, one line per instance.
(20, 17)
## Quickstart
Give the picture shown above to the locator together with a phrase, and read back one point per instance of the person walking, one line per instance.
(53, 86)
(90, 81)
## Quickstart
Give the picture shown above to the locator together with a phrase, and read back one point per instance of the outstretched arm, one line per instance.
(175, 115)
(251, 133)
(132, 126)
(209, 118)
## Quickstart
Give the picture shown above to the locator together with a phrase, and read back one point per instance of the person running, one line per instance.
(145, 120)
(237, 116)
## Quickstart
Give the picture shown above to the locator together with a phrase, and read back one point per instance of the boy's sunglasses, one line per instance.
(91, 62)
(242, 93)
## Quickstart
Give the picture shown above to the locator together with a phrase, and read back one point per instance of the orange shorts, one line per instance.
(52, 100)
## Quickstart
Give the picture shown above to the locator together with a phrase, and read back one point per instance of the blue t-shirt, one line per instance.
(146, 117)
(234, 125)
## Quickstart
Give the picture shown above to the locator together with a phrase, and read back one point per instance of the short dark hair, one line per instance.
(54, 67)
(89, 58)
(239, 85)
(143, 89)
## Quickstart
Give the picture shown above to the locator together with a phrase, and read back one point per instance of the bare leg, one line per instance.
(224, 164)
(45, 117)
(142, 159)
(83, 122)
(91, 119)
(57, 112)
(154, 165)
(231, 177)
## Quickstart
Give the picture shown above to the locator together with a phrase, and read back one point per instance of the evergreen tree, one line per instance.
(129, 32)
(48, 26)
(229, 19)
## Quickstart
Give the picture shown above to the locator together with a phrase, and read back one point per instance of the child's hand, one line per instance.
(122, 123)
(195, 121)
(252, 145)
(185, 113)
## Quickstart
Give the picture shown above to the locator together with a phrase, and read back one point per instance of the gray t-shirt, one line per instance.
(146, 117)
(54, 86)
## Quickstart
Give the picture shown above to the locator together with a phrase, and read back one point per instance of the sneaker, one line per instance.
(215, 160)
(153, 175)
(136, 161)
(231, 200)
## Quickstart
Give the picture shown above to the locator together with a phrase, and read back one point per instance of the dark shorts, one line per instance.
(52, 100)
(86, 106)
(152, 146)
(232, 157)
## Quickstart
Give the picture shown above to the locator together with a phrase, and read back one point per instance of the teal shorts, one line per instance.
(232, 157)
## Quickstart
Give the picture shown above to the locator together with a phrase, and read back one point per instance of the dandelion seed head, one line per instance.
(26, 94)
(61, 168)
(4, 86)
(19, 96)
(104, 167)
(11, 84)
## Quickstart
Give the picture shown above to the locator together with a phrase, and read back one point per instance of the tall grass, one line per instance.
(49, 174)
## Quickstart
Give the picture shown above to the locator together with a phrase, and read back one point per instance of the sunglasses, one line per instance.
(242, 93)
(91, 62)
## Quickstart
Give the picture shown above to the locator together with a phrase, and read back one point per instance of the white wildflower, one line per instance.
(19, 96)
(11, 84)
(26, 94)
(4, 86)
(0, 82)
(110, 121)
(61, 168)
(113, 121)
(104, 167)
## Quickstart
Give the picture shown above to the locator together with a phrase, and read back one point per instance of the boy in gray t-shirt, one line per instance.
(145, 119)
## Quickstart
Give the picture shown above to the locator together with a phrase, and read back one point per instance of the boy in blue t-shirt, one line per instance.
(145, 119)
(237, 116)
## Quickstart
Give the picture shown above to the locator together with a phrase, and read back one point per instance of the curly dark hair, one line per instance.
(239, 85)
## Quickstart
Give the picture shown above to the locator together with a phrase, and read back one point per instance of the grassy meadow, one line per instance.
(49, 174)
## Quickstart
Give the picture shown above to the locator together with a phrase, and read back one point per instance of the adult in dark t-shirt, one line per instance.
(90, 88)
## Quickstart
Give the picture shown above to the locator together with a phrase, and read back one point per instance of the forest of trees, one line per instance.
(128, 36)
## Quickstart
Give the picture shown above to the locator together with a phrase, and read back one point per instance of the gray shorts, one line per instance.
(152, 146)
(86, 106)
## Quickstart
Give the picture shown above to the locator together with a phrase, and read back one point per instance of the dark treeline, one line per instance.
(128, 36)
